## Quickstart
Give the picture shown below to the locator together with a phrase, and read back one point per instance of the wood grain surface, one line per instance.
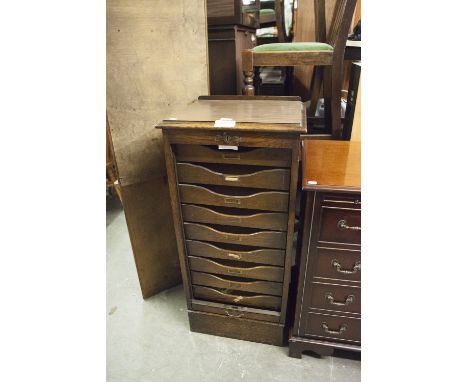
(332, 164)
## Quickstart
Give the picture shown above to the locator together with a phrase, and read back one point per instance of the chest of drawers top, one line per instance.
(250, 115)
(331, 166)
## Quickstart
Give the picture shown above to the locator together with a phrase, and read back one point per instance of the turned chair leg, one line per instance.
(249, 88)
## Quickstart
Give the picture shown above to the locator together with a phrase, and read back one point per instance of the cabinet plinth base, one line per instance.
(238, 328)
(323, 348)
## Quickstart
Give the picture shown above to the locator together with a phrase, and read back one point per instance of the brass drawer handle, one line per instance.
(228, 139)
(232, 201)
(342, 225)
(337, 265)
(331, 300)
(234, 315)
(234, 255)
(229, 178)
(341, 330)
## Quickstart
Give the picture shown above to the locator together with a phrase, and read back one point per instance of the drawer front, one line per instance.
(264, 287)
(269, 200)
(341, 264)
(269, 239)
(261, 256)
(260, 272)
(261, 301)
(333, 326)
(339, 298)
(270, 179)
(340, 225)
(269, 220)
(271, 157)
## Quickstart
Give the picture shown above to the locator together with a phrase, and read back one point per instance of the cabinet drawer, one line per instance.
(246, 285)
(236, 176)
(340, 298)
(261, 256)
(235, 217)
(340, 225)
(271, 157)
(261, 301)
(260, 272)
(269, 239)
(239, 198)
(333, 326)
(341, 264)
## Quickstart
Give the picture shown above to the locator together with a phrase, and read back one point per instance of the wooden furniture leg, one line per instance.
(316, 87)
(335, 102)
(249, 88)
(248, 69)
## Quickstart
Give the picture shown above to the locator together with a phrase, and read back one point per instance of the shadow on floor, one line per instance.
(113, 207)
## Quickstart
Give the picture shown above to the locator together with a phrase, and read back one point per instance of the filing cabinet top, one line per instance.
(331, 165)
(249, 115)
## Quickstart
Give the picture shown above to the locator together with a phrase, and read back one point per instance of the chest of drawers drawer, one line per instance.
(340, 264)
(237, 198)
(233, 297)
(235, 217)
(234, 176)
(256, 156)
(335, 327)
(223, 252)
(340, 298)
(340, 225)
(259, 272)
(237, 284)
(268, 239)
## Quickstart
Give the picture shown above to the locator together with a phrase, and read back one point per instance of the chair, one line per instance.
(272, 15)
(326, 54)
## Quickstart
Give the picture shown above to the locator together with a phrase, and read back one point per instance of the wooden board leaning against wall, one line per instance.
(157, 62)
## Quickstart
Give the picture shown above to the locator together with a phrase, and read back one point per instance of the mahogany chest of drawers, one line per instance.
(328, 304)
(233, 192)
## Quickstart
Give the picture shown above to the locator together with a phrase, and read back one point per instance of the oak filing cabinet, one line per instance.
(328, 301)
(233, 192)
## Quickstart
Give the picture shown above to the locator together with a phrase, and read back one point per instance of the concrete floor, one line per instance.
(151, 341)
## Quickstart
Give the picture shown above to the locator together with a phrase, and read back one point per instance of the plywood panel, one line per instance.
(157, 62)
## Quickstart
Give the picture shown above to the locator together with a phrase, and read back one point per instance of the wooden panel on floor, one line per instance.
(149, 223)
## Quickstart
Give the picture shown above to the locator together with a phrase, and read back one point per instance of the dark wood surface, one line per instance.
(333, 165)
(225, 46)
(245, 285)
(257, 156)
(240, 328)
(252, 271)
(234, 213)
(257, 238)
(273, 179)
(232, 217)
(331, 60)
(232, 12)
(328, 299)
(218, 251)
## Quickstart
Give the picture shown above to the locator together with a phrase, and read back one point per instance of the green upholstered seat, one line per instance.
(293, 46)
(267, 16)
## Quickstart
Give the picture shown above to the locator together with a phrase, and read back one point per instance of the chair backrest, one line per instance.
(340, 24)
